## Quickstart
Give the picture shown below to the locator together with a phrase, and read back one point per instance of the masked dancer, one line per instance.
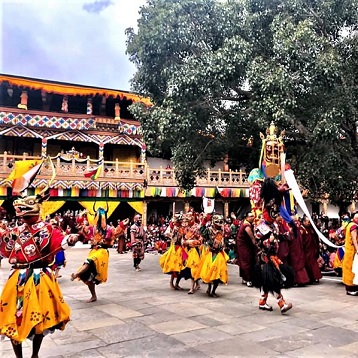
(31, 301)
(95, 268)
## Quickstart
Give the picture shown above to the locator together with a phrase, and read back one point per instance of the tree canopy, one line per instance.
(219, 72)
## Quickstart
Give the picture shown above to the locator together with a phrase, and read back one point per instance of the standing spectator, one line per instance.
(246, 249)
(120, 234)
(351, 249)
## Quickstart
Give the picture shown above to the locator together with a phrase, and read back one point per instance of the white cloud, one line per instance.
(59, 40)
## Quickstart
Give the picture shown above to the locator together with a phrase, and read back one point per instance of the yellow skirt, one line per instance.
(215, 267)
(193, 261)
(32, 303)
(204, 251)
(171, 260)
(98, 259)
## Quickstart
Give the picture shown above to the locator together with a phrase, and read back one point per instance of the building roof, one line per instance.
(70, 88)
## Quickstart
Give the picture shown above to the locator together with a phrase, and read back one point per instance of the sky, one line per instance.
(74, 41)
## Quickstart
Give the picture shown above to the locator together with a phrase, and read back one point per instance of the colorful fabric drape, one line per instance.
(50, 207)
(98, 204)
(137, 206)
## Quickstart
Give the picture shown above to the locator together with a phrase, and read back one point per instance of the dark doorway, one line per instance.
(122, 211)
(8, 207)
(70, 206)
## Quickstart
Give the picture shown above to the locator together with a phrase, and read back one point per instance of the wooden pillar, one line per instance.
(173, 208)
(117, 112)
(23, 100)
(145, 213)
(226, 209)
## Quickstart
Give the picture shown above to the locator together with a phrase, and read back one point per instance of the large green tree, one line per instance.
(219, 72)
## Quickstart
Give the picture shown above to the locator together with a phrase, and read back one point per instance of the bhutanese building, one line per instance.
(82, 128)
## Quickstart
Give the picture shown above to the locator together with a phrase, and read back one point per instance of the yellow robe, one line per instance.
(32, 299)
(347, 274)
(215, 267)
(171, 260)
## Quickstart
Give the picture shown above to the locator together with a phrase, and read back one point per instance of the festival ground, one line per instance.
(137, 315)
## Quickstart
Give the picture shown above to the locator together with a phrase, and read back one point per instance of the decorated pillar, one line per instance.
(101, 156)
(117, 112)
(145, 213)
(23, 100)
(89, 105)
(143, 154)
(44, 148)
(101, 151)
(186, 206)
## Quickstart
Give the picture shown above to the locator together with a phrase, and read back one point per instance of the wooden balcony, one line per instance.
(74, 169)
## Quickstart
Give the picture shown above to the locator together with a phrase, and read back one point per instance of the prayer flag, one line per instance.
(23, 174)
(93, 174)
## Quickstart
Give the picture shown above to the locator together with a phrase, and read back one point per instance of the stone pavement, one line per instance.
(137, 315)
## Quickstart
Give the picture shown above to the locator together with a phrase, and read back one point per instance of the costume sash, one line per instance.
(292, 183)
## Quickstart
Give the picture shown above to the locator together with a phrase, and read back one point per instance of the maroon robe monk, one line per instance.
(246, 249)
(297, 258)
(311, 250)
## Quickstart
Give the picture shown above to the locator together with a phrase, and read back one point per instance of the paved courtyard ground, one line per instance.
(137, 315)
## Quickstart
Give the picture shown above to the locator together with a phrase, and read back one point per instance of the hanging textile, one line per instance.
(71, 90)
(50, 207)
(98, 204)
(137, 206)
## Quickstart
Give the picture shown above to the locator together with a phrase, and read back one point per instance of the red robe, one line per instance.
(245, 252)
(311, 251)
(297, 259)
